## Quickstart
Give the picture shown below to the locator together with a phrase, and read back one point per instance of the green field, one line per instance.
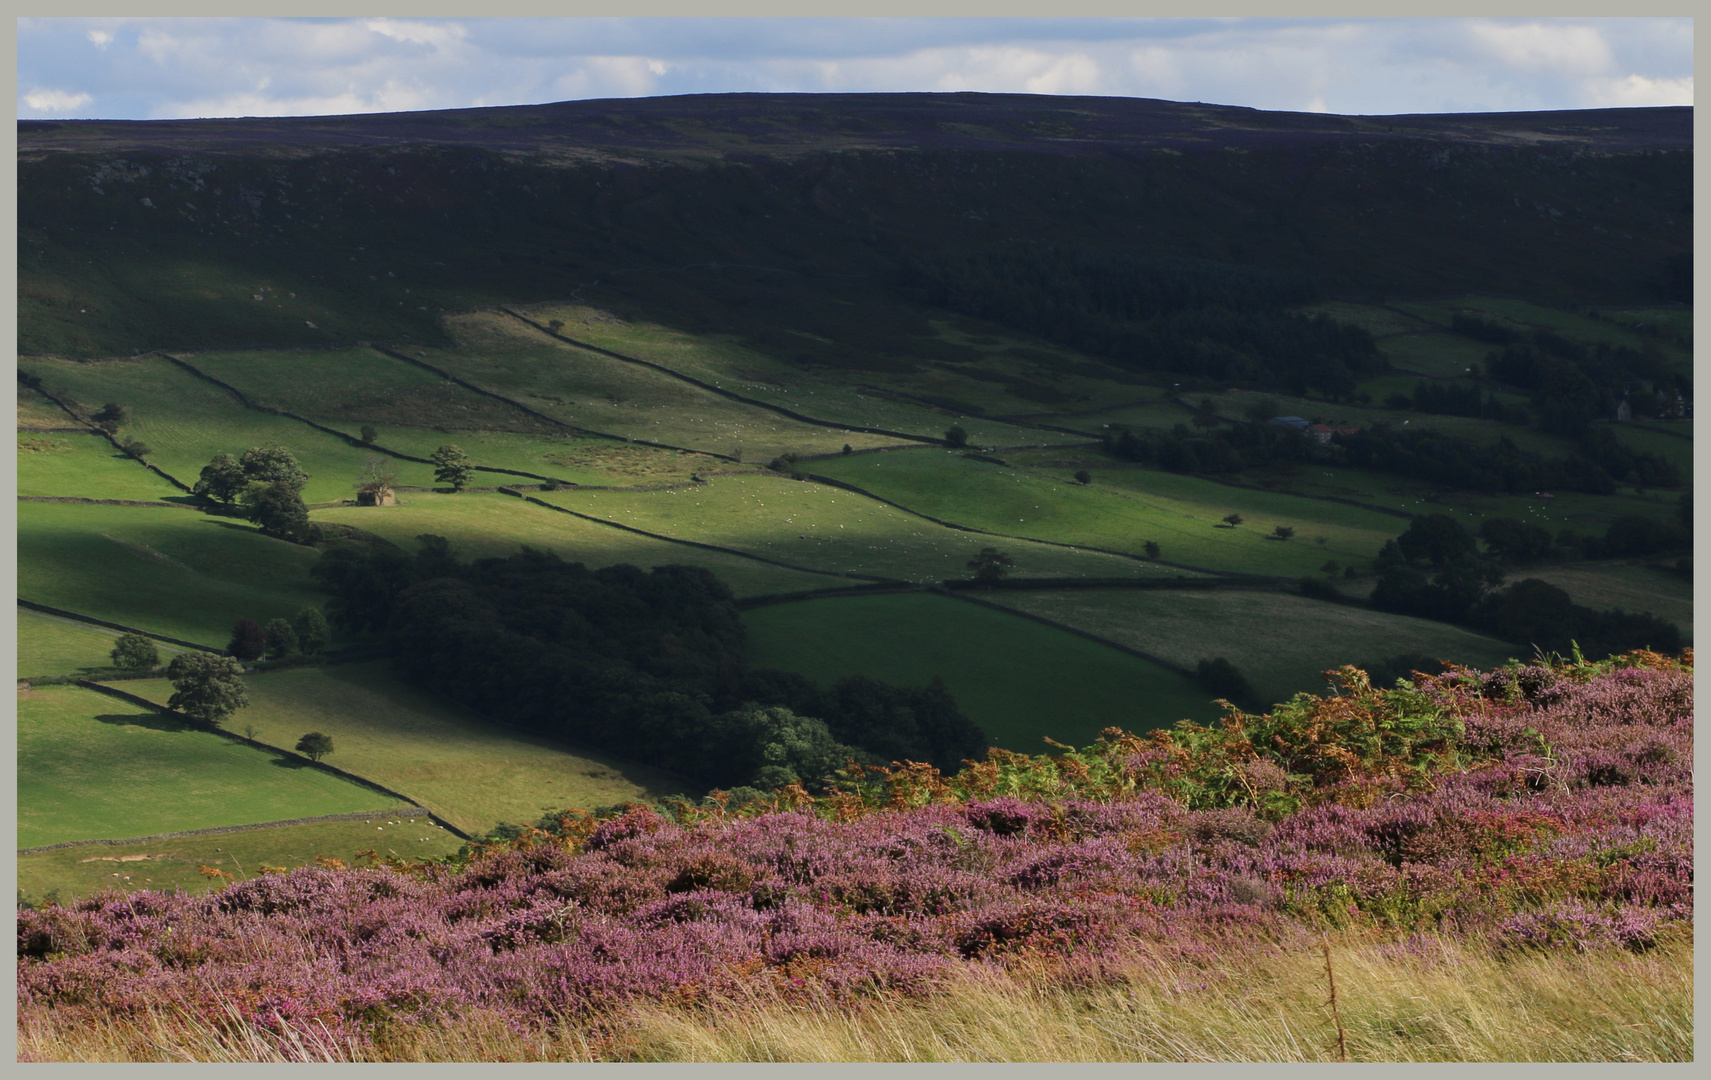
(1631, 588)
(1445, 356)
(818, 526)
(1669, 447)
(1378, 321)
(92, 767)
(473, 775)
(1122, 509)
(176, 572)
(1017, 679)
(832, 396)
(484, 525)
(52, 646)
(1282, 642)
(177, 863)
(186, 421)
(37, 413)
(84, 467)
(598, 393)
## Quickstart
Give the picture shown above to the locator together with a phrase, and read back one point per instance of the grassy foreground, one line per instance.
(1435, 1000)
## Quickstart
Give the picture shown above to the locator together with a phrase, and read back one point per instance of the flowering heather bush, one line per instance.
(1541, 807)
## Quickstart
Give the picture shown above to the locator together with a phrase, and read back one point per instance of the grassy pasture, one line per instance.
(92, 767)
(51, 646)
(727, 364)
(85, 467)
(36, 412)
(1150, 411)
(187, 421)
(471, 774)
(1680, 451)
(483, 525)
(1678, 321)
(571, 458)
(1122, 509)
(1631, 588)
(1282, 642)
(176, 863)
(1018, 680)
(1447, 356)
(598, 393)
(346, 388)
(1378, 321)
(813, 525)
(174, 572)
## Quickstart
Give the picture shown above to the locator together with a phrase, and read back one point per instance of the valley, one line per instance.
(831, 367)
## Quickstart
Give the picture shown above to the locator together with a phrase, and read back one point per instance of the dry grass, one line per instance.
(1442, 1001)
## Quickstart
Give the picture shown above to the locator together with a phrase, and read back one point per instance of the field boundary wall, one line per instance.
(134, 699)
(80, 617)
(719, 390)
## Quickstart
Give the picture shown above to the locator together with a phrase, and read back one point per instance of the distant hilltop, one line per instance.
(785, 125)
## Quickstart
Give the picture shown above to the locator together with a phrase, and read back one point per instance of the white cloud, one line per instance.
(55, 100)
(1636, 90)
(1537, 47)
(151, 67)
(418, 33)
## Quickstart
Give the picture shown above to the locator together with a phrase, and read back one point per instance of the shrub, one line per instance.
(135, 652)
(249, 640)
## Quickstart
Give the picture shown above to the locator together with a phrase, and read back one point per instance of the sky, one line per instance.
(168, 68)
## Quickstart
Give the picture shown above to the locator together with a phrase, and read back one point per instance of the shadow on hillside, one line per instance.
(289, 762)
(151, 720)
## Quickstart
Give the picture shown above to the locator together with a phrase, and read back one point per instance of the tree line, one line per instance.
(1190, 317)
(1435, 570)
(646, 664)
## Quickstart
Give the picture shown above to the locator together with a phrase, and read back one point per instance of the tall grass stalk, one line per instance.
(1425, 999)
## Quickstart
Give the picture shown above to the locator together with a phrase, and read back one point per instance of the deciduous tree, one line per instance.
(990, 566)
(134, 652)
(313, 633)
(451, 466)
(249, 640)
(272, 464)
(315, 745)
(222, 479)
(205, 687)
(281, 638)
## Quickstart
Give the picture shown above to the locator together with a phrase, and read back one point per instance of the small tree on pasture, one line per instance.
(1083, 477)
(278, 510)
(1232, 520)
(990, 566)
(272, 464)
(249, 640)
(313, 633)
(205, 687)
(956, 436)
(134, 652)
(369, 434)
(1283, 532)
(111, 417)
(135, 449)
(281, 638)
(315, 745)
(1152, 549)
(451, 466)
(222, 479)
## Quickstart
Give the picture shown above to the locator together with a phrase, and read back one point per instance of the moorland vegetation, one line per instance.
(751, 484)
